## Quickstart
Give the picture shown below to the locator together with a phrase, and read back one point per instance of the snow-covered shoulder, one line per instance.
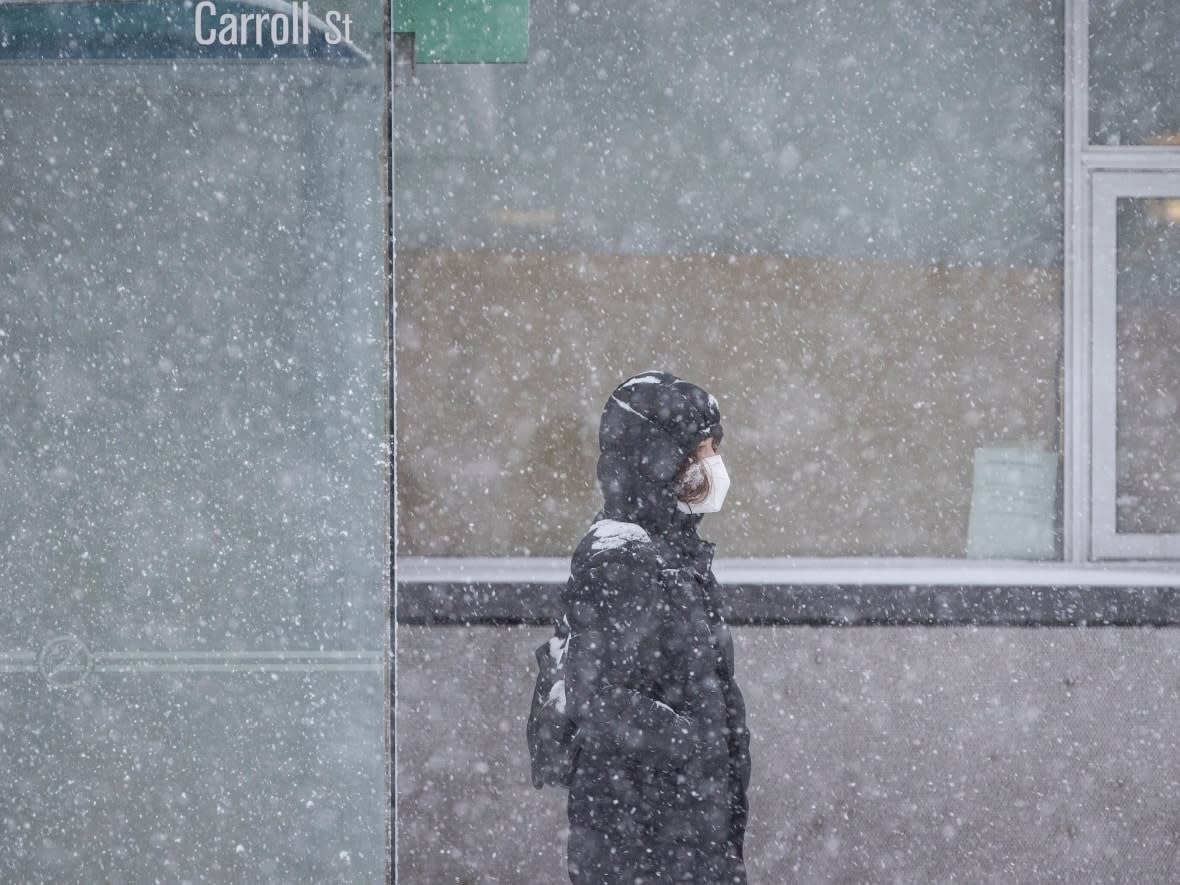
(610, 542)
(610, 534)
(615, 561)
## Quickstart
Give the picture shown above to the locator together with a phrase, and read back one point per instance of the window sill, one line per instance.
(811, 572)
(457, 591)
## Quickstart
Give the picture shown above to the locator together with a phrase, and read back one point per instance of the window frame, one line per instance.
(1106, 189)
(1089, 452)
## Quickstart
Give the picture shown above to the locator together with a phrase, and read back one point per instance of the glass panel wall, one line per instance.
(1148, 365)
(846, 222)
(192, 422)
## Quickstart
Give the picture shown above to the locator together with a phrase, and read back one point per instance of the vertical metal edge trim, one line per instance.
(1103, 202)
(1076, 308)
(389, 692)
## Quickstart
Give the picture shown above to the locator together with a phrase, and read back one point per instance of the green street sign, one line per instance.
(465, 31)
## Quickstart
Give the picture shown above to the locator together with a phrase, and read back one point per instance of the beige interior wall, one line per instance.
(881, 755)
(853, 394)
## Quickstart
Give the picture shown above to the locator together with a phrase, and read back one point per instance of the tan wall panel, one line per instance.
(853, 394)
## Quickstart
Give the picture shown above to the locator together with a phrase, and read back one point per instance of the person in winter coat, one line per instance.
(662, 763)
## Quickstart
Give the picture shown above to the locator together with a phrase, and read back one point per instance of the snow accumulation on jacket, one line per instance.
(659, 786)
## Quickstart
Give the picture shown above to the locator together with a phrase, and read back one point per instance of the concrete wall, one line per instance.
(881, 755)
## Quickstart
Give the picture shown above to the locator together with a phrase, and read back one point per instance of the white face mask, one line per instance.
(714, 468)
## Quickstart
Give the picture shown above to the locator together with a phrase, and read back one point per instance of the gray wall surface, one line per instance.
(881, 755)
(903, 132)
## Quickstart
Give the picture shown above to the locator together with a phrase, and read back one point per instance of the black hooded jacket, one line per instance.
(659, 785)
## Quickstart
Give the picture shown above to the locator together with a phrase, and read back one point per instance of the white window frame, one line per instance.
(1107, 188)
(1095, 177)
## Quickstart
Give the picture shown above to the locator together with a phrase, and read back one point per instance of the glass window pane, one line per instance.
(1134, 69)
(192, 418)
(1148, 373)
(859, 254)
